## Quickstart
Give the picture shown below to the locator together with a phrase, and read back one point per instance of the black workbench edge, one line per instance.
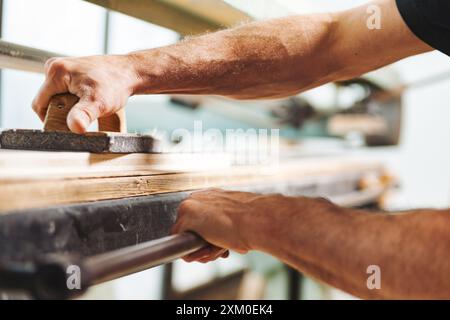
(96, 227)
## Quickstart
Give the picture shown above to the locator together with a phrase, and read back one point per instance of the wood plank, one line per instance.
(40, 193)
(35, 165)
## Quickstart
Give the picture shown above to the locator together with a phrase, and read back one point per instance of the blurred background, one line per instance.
(370, 117)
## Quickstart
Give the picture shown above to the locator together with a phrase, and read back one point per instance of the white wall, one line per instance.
(423, 162)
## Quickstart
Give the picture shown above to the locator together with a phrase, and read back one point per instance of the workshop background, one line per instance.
(419, 161)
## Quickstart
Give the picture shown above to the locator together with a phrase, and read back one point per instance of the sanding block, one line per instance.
(56, 136)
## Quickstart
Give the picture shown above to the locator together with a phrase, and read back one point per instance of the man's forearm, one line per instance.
(337, 245)
(269, 59)
(277, 58)
(258, 60)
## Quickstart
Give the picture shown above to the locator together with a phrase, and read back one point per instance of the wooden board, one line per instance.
(35, 165)
(31, 193)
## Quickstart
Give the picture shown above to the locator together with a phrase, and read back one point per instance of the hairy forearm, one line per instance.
(268, 59)
(257, 60)
(337, 245)
(277, 58)
(333, 244)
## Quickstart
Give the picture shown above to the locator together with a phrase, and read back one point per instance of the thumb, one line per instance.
(82, 115)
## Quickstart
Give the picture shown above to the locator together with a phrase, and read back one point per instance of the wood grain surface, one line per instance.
(43, 165)
(105, 181)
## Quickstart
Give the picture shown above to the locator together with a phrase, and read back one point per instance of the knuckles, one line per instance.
(49, 62)
(184, 207)
(56, 67)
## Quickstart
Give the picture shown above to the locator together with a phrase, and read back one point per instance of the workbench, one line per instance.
(86, 205)
(90, 204)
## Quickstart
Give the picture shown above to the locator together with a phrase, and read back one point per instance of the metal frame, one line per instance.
(184, 17)
(178, 15)
(107, 31)
(19, 57)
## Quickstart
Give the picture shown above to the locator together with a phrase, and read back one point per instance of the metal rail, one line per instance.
(184, 17)
(180, 16)
(18, 57)
(113, 265)
(48, 278)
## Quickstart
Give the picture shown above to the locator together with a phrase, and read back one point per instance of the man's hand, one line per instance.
(217, 216)
(103, 85)
(229, 220)
(330, 243)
